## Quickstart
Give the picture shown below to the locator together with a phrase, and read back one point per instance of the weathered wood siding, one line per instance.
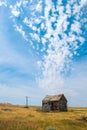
(60, 105)
(46, 106)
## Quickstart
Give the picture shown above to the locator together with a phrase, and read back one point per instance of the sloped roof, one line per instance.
(49, 98)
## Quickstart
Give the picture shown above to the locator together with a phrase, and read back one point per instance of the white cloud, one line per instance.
(39, 6)
(68, 9)
(59, 44)
(58, 52)
(35, 36)
(31, 1)
(83, 2)
(15, 13)
(77, 8)
(43, 41)
(42, 26)
(27, 22)
(61, 36)
(76, 27)
(14, 10)
(25, 2)
(3, 3)
(20, 30)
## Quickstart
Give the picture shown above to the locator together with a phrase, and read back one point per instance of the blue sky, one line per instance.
(43, 50)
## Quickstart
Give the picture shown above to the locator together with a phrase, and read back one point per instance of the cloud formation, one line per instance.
(64, 38)
(53, 30)
(3, 3)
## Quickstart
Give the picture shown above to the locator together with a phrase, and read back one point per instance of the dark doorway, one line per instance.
(52, 106)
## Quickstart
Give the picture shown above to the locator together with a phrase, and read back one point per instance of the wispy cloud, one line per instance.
(3, 3)
(53, 31)
(83, 2)
(15, 9)
(16, 67)
(63, 42)
(20, 30)
(10, 57)
(57, 34)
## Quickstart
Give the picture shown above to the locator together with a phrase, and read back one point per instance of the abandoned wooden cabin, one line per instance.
(54, 103)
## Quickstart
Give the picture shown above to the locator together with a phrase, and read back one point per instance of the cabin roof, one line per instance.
(49, 98)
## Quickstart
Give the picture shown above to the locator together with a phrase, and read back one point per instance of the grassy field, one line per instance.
(32, 118)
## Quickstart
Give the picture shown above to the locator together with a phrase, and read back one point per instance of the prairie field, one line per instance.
(13, 117)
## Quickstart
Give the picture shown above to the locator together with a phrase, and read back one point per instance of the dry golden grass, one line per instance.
(32, 118)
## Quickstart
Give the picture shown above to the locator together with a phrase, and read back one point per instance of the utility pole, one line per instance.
(27, 101)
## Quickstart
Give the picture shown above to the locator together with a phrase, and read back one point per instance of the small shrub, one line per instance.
(6, 109)
(30, 115)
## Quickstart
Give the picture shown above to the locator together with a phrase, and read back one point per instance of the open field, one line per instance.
(32, 118)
